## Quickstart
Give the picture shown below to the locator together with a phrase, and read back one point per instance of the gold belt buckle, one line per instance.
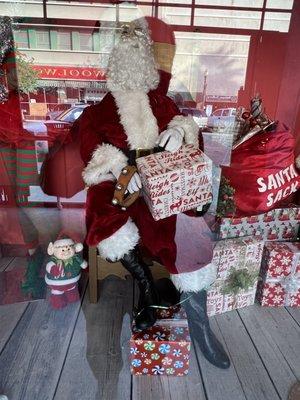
(143, 152)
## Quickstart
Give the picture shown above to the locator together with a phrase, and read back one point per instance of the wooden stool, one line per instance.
(100, 269)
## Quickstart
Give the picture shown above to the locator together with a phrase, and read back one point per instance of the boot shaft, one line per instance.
(195, 307)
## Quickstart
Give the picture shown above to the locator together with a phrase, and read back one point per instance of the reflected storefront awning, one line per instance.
(46, 83)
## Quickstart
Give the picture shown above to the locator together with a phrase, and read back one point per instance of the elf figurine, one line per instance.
(63, 271)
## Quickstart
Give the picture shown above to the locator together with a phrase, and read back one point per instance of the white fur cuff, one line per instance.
(119, 243)
(106, 158)
(196, 280)
(191, 129)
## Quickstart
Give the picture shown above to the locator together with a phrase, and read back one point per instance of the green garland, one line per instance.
(226, 205)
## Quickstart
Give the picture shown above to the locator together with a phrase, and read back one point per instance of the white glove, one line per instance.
(171, 139)
(135, 182)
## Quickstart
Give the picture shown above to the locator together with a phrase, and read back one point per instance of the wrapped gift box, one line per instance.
(280, 275)
(163, 349)
(173, 313)
(278, 224)
(238, 263)
(175, 182)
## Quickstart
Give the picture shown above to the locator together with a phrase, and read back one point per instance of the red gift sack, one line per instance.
(263, 172)
(61, 173)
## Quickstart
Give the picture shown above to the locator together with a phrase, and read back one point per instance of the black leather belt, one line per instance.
(137, 153)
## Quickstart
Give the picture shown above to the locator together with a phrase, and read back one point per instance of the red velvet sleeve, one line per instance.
(88, 136)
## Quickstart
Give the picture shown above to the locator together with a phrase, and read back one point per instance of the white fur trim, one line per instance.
(119, 243)
(137, 118)
(63, 242)
(196, 280)
(191, 129)
(105, 159)
(297, 161)
(53, 291)
(78, 247)
(84, 264)
(55, 282)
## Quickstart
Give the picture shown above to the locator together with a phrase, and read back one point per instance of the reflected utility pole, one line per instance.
(204, 88)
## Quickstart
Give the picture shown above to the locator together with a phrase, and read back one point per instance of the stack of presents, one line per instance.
(257, 254)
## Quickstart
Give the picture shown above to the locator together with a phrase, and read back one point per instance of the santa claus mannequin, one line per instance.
(136, 115)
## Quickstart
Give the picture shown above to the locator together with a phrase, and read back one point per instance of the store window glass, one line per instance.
(42, 39)
(226, 103)
(85, 41)
(228, 18)
(288, 4)
(232, 3)
(277, 22)
(21, 38)
(64, 40)
(175, 16)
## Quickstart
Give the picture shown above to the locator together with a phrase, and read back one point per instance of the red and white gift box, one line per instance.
(163, 349)
(278, 224)
(233, 255)
(280, 273)
(175, 182)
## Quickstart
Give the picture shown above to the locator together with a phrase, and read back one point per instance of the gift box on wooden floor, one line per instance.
(238, 263)
(163, 349)
(172, 313)
(278, 224)
(280, 275)
(175, 182)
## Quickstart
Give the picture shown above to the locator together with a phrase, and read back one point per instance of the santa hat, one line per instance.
(163, 39)
(65, 239)
(164, 48)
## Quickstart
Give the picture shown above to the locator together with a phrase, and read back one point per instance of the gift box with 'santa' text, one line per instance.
(238, 263)
(175, 182)
(280, 275)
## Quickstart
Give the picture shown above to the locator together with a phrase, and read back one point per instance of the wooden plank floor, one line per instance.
(81, 352)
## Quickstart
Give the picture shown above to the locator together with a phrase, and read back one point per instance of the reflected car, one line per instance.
(199, 116)
(61, 125)
(35, 127)
(57, 110)
(221, 117)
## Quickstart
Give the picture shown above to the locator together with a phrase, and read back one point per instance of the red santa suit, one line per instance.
(123, 121)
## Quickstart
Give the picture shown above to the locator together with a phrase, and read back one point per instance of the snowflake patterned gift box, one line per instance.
(238, 263)
(280, 275)
(175, 182)
(163, 349)
(279, 224)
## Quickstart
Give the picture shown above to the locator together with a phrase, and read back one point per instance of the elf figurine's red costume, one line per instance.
(134, 117)
(63, 271)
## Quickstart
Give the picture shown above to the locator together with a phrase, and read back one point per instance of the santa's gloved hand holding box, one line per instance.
(63, 271)
(175, 182)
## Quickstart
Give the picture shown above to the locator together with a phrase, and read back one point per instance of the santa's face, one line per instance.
(134, 35)
(131, 64)
(64, 252)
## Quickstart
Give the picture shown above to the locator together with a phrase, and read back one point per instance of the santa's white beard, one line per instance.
(131, 66)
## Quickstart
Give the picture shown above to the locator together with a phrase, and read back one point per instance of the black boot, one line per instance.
(195, 307)
(146, 316)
